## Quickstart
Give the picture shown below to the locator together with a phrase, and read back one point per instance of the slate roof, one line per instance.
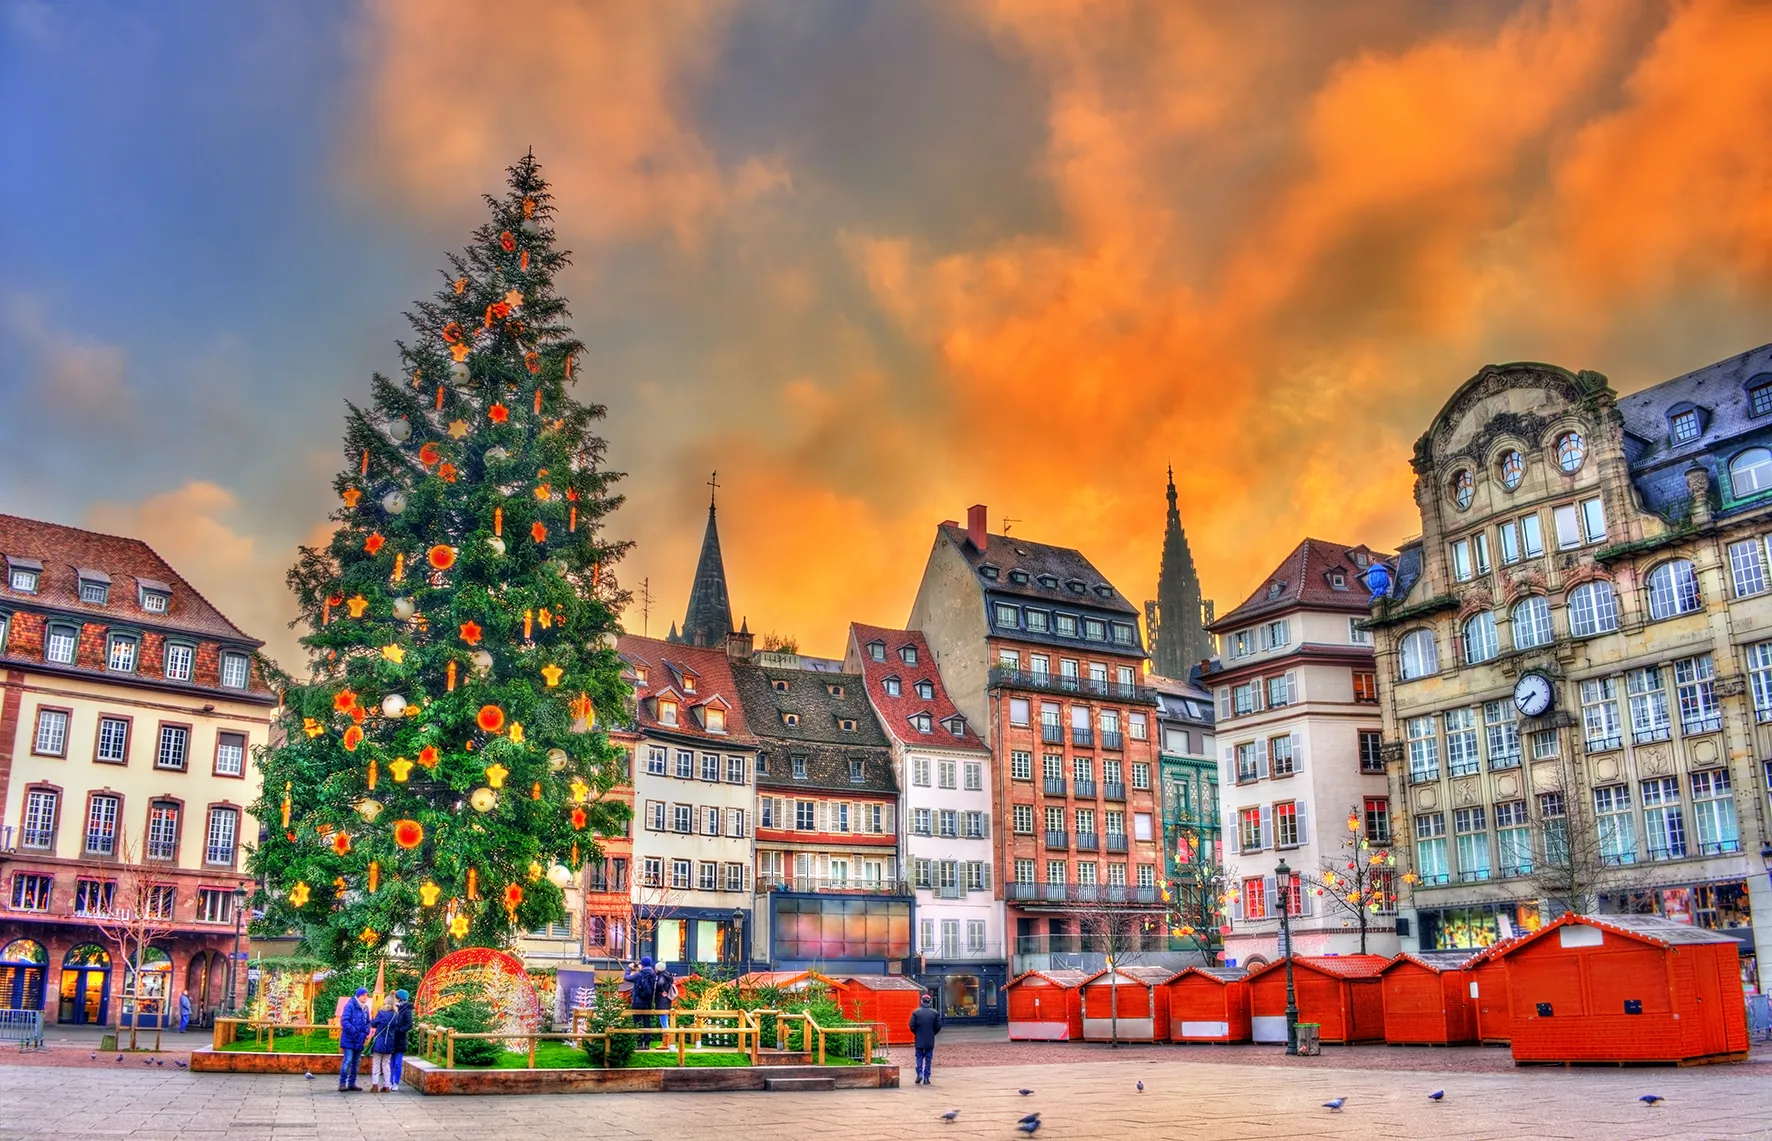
(665, 664)
(1066, 564)
(708, 619)
(818, 734)
(896, 712)
(1172, 693)
(1652, 929)
(1719, 389)
(128, 563)
(1303, 581)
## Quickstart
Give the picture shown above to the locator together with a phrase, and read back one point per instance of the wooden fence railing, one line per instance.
(227, 1031)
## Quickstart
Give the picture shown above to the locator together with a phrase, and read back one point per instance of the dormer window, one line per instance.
(957, 726)
(640, 674)
(1078, 586)
(908, 655)
(1275, 589)
(1049, 581)
(1361, 558)
(790, 719)
(156, 597)
(1103, 590)
(23, 575)
(716, 719)
(836, 690)
(923, 723)
(1683, 425)
(847, 724)
(857, 772)
(1759, 395)
(893, 688)
(1124, 634)
(1095, 629)
(877, 650)
(926, 690)
(988, 571)
(1008, 617)
(667, 712)
(688, 682)
(799, 766)
(1337, 580)
(95, 587)
(1037, 620)
(779, 685)
(1018, 576)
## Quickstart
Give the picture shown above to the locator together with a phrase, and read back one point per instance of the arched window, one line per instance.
(1420, 656)
(1571, 450)
(1673, 589)
(1593, 609)
(1531, 623)
(1750, 472)
(1513, 467)
(1480, 643)
(1462, 488)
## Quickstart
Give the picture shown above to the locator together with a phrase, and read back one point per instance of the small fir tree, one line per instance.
(442, 772)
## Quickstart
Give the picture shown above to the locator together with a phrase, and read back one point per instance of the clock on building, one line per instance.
(1533, 694)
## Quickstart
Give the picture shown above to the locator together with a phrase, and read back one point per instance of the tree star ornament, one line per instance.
(458, 429)
(427, 756)
(458, 927)
(514, 298)
(538, 531)
(393, 652)
(344, 701)
(369, 937)
(298, 895)
(498, 413)
(373, 544)
(470, 632)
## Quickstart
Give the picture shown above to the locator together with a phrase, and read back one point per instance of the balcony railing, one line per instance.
(1500, 761)
(1051, 734)
(1116, 841)
(1090, 944)
(826, 885)
(1112, 739)
(961, 951)
(1718, 847)
(100, 843)
(1078, 893)
(1113, 790)
(1088, 842)
(1009, 678)
(1058, 840)
(1083, 789)
(1708, 724)
(1080, 736)
(1054, 786)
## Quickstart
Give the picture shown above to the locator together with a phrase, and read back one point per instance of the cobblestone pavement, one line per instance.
(1183, 1098)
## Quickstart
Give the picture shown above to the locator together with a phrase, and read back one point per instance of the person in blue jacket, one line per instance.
(402, 1032)
(184, 1011)
(353, 1031)
(643, 980)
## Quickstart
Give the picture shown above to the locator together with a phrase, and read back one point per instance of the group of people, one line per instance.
(385, 1033)
(653, 988)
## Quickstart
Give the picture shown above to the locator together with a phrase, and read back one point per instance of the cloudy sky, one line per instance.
(874, 261)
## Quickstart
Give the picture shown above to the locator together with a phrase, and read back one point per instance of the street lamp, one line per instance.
(1283, 877)
(234, 963)
(737, 941)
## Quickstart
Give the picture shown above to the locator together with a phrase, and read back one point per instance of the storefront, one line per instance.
(966, 992)
(1476, 926)
(23, 965)
(85, 986)
(702, 938)
(813, 931)
(1719, 905)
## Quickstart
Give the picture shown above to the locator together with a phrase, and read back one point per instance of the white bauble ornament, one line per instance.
(530, 226)
(560, 875)
(399, 430)
(495, 454)
(556, 759)
(393, 705)
(404, 609)
(369, 808)
(497, 544)
(458, 371)
(482, 660)
(394, 502)
(483, 799)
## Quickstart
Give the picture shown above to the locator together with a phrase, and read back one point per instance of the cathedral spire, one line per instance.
(709, 618)
(1179, 640)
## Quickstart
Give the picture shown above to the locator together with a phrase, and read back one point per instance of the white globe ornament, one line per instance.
(483, 799)
(404, 609)
(530, 226)
(458, 371)
(482, 660)
(399, 430)
(393, 705)
(497, 544)
(556, 759)
(560, 875)
(495, 454)
(394, 502)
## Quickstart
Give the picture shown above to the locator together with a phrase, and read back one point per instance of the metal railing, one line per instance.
(1078, 893)
(1088, 842)
(1113, 790)
(1112, 739)
(1057, 840)
(1054, 786)
(1116, 841)
(961, 951)
(1052, 734)
(827, 885)
(1083, 789)
(1090, 944)
(1082, 736)
(1004, 676)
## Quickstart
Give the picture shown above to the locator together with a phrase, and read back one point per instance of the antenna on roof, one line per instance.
(645, 605)
(1008, 523)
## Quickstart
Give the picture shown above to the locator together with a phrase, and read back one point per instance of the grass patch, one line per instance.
(288, 1042)
(660, 1060)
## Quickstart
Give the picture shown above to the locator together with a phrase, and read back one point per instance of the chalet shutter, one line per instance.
(1298, 752)
(1267, 826)
(890, 825)
(1237, 906)
(984, 824)
(1306, 900)
(823, 817)
(1270, 895)
(986, 868)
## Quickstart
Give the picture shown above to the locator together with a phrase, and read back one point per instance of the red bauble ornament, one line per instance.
(579, 819)
(408, 833)
(490, 718)
(508, 241)
(353, 738)
(441, 557)
(427, 455)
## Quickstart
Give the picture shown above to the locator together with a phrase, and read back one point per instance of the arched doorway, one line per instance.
(23, 965)
(86, 986)
(146, 997)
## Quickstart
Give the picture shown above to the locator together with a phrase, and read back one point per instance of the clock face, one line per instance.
(1532, 694)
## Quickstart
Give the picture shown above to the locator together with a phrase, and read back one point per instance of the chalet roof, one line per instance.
(1216, 974)
(1303, 580)
(1145, 975)
(1061, 978)
(880, 982)
(1436, 961)
(1341, 966)
(1654, 930)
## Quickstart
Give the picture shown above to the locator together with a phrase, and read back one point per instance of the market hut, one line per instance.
(1127, 1004)
(1626, 988)
(1427, 999)
(1045, 1006)
(1340, 993)
(1486, 983)
(885, 1000)
(1208, 1004)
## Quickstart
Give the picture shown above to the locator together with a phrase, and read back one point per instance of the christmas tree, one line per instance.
(443, 771)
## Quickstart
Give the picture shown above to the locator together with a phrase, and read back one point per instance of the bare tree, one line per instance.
(1122, 931)
(653, 903)
(1579, 857)
(138, 912)
(1194, 898)
(1359, 880)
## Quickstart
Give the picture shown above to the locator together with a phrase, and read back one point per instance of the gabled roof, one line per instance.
(895, 712)
(817, 733)
(879, 982)
(1437, 961)
(1063, 564)
(1654, 930)
(1054, 978)
(1340, 966)
(128, 563)
(1718, 390)
(1216, 974)
(665, 663)
(1302, 580)
(1143, 975)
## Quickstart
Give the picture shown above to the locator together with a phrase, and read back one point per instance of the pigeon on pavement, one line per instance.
(1028, 1118)
(160, 1062)
(94, 1057)
(1335, 1103)
(119, 1057)
(1651, 1098)
(1028, 1127)
(308, 1076)
(1024, 1092)
(950, 1115)
(181, 1065)
(1437, 1094)
(1140, 1087)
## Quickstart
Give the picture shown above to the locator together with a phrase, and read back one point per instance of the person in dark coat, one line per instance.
(643, 981)
(381, 1043)
(402, 1034)
(664, 992)
(353, 1031)
(184, 1011)
(925, 1025)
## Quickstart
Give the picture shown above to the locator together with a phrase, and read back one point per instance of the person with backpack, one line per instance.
(664, 992)
(925, 1025)
(644, 983)
(402, 1032)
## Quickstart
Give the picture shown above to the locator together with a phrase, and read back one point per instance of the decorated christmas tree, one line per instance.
(443, 771)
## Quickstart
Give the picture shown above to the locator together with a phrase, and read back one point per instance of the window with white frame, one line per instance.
(113, 741)
(708, 876)
(59, 644)
(175, 745)
(1531, 536)
(230, 754)
(1673, 589)
(1750, 472)
(1501, 729)
(101, 824)
(215, 905)
(1593, 520)
(1480, 641)
(1462, 568)
(1141, 775)
(31, 892)
(974, 776)
(1021, 765)
(1571, 450)
(683, 819)
(1593, 609)
(1513, 838)
(652, 871)
(1713, 813)
(24, 579)
(1022, 816)
(162, 830)
(1649, 719)
(1747, 567)
(736, 769)
(1553, 818)
(655, 816)
(685, 764)
(1423, 748)
(1420, 657)
(224, 825)
(120, 653)
(39, 820)
(680, 874)
(1531, 622)
(235, 671)
(180, 656)
(1695, 681)
(1356, 635)
(1431, 865)
(1509, 533)
(1462, 759)
(1600, 722)
(51, 738)
(946, 773)
(1664, 821)
(1618, 837)
(1759, 674)
(94, 897)
(1471, 829)
(1567, 524)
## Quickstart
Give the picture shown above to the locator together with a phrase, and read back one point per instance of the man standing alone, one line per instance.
(353, 1031)
(925, 1025)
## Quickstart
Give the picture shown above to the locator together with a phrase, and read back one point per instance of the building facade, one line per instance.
(1576, 656)
(944, 772)
(1300, 742)
(831, 891)
(1040, 651)
(694, 794)
(1193, 840)
(129, 712)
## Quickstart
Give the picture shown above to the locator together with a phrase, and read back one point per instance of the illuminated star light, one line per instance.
(458, 927)
(552, 673)
(394, 653)
(458, 429)
(470, 632)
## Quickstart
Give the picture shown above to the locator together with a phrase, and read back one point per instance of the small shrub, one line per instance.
(469, 1014)
(609, 1012)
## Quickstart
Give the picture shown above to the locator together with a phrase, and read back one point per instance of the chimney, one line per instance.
(976, 525)
(738, 644)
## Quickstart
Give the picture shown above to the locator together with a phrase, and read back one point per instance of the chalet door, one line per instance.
(1710, 1014)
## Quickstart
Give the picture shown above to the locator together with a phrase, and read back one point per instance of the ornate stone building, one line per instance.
(1575, 657)
(1176, 620)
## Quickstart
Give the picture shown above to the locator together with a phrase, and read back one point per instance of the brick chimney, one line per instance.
(738, 644)
(976, 525)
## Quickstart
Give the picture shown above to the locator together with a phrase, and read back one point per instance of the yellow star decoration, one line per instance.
(580, 790)
(514, 298)
(543, 491)
(358, 605)
(496, 774)
(552, 673)
(458, 429)
(312, 727)
(298, 895)
(394, 653)
(460, 351)
(458, 927)
(368, 937)
(517, 732)
(428, 893)
(534, 871)
(401, 768)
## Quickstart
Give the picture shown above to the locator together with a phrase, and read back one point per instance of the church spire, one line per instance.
(709, 618)
(1179, 641)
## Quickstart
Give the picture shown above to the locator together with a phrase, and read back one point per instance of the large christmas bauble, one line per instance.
(560, 875)
(394, 502)
(404, 609)
(482, 660)
(458, 371)
(399, 430)
(556, 759)
(393, 705)
(483, 799)
(497, 544)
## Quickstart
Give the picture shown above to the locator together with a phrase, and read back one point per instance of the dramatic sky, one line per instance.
(874, 261)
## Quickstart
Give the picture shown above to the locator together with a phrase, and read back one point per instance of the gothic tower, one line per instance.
(1179, 641)
(709, 618)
